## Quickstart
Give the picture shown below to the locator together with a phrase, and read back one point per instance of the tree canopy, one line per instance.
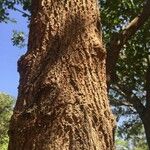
(129, 85)
(6, 106)
(5, 5)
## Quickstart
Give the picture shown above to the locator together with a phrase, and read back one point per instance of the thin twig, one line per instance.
(24, 13)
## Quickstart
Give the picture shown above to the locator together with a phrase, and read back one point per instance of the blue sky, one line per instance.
(9, 54)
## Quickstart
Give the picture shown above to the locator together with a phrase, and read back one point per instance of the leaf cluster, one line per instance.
(135, 142)
(116, 14)
(18, 38)
(6, 5)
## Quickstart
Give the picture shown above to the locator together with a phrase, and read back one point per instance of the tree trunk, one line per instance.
(146, 122)
(62, 102)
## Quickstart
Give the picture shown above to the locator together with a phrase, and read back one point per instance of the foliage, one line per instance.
(121, 144)
(133, 61)
(6, 106)
(5, 5)
(136, 140)
(117, 13)
(18, 38)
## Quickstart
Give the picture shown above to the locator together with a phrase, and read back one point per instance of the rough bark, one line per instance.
(62, 102)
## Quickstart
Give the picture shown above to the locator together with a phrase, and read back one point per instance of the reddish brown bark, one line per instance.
(62, 102)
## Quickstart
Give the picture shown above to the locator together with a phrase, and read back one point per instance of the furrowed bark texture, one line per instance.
(62, 102)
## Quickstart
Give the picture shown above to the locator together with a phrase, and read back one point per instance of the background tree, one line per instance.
(6, 106)
(131, 137)
(128, 57)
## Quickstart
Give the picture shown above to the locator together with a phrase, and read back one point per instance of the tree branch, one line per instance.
(147, 87)
(117, 41)
(24, 13)
(133, 99)
(140, 108)
(122, 102)
(130, 99)
(115, 102)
